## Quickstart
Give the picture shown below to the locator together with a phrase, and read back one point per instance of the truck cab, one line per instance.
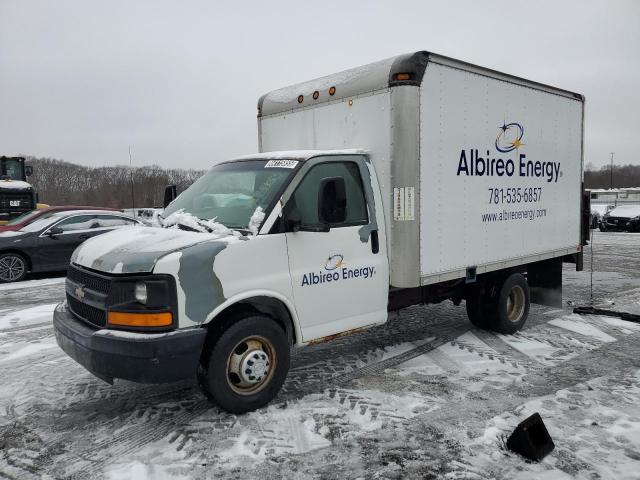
(282, 248)
(16, 195)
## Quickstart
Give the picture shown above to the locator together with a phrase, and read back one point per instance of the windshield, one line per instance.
(625, 211)
(230, 193)
(41, 222)
(24, 217)
(11, 168)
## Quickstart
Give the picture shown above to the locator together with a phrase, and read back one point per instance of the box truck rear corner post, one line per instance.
(408, 181)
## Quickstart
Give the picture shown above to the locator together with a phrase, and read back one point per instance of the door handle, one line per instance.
(375, 244)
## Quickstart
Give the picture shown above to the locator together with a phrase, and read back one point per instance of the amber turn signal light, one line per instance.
(332, 91)
(401, 77)
(127, 319)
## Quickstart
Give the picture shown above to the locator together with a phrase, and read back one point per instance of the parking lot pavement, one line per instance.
(424, 396)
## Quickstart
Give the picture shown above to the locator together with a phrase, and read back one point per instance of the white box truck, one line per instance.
(408, 181)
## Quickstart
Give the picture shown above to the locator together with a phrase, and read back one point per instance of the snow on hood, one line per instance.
(188, 220)
(137, 249)
(13, 185)
(625, 211)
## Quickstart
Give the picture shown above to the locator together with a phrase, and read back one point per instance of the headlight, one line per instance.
(141, 292)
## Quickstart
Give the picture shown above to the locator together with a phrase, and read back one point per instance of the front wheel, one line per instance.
(246, 366)
(13, 267)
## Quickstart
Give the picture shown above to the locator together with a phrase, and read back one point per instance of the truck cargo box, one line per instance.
(479, 170)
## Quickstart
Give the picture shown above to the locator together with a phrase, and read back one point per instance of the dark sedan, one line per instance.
(46, 244)
(622, 218)
(26, 218)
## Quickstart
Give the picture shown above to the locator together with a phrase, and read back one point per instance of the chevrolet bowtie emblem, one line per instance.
(80, 292)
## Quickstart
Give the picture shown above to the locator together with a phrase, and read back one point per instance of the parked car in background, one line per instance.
(46, 243)
(28, 217)
(622, 218)
(597, 212)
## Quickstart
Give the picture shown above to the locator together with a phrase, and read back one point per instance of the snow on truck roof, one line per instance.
(300, 155)
(14, 185)
(405, 69)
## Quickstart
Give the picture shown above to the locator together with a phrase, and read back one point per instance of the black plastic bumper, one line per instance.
(144, 358)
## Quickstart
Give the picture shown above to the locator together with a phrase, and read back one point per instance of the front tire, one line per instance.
(245, 367)
(13, 267)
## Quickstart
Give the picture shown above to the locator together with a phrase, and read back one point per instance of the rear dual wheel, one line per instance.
(13, 267)
(502, 307)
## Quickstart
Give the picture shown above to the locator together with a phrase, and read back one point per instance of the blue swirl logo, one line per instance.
(509, 137)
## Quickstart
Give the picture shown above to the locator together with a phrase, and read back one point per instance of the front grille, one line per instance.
(86, 312)
(89, 280)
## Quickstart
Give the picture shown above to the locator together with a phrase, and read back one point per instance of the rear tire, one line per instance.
(244, 368)
(507, 312)
(476, 309)
(13, 267)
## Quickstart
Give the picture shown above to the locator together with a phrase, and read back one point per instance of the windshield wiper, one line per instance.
(187, 228)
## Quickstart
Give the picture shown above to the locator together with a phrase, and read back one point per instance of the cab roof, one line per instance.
(299, 155)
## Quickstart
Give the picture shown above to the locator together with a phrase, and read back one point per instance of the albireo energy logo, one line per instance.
(509, 138)
(335, 270)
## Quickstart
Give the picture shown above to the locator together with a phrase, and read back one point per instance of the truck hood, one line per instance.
(137, 249)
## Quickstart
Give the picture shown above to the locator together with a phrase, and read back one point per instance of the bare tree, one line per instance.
(63, 183)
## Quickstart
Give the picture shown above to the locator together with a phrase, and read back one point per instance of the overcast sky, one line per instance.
(179, 80)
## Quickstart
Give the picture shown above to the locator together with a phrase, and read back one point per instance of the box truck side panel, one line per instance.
(500, 173)
(359, 122)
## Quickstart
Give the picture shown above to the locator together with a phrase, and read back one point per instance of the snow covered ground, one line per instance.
(425, 396)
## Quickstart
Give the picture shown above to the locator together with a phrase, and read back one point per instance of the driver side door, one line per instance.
(339, 276)
(56, 249)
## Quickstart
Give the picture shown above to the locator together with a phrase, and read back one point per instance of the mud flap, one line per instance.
(545, 282)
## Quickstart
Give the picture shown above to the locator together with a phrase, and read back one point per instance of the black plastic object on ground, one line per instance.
(630, 317)
(531, 439)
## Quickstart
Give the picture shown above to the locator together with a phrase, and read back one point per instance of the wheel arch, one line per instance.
(268, 303)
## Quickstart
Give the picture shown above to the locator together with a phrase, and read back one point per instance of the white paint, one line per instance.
(463, 111)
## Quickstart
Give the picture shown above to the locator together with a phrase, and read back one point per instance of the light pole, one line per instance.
(611, 173)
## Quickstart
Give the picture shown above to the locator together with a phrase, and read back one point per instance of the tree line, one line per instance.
(63, 183)
(624, 176)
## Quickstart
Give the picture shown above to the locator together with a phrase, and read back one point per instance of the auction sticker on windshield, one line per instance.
(281, 164)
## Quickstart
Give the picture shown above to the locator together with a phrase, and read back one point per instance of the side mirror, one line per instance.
(332, 200)
(170, 194)
(55, 231)
(28, 170)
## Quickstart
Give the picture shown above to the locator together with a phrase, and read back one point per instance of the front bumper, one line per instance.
(138, 357)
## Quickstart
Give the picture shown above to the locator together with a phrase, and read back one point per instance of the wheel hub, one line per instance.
(515, 304)
(254, 366)
(250, 365)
